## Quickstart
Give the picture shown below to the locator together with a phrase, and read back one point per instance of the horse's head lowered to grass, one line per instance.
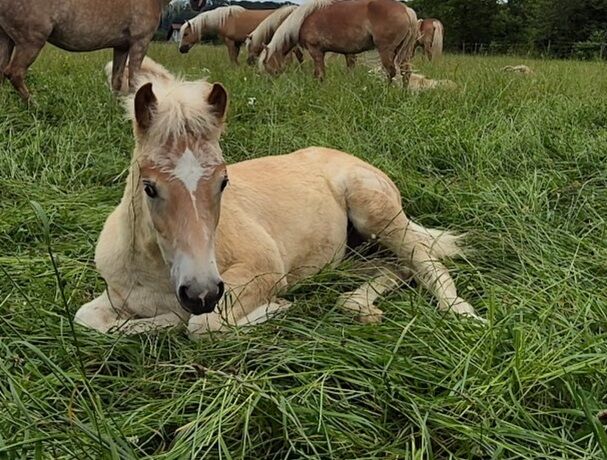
(178, 178)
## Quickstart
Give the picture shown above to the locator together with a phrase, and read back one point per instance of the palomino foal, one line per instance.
(168, 257)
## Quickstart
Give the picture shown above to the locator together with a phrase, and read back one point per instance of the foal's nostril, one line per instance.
(194, 304)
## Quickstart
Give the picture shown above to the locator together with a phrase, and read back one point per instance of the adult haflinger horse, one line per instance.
(347, 27)
(231, 23)
(431, 35)
(127, 26)
(167, 255)
(264, 32)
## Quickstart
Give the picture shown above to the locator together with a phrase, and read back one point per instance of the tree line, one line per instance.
(556, 27)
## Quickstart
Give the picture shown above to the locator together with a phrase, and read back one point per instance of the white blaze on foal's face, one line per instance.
(181, 186)
(183, 198)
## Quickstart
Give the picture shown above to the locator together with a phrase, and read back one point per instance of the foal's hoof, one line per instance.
(461, 307)
(367, 313)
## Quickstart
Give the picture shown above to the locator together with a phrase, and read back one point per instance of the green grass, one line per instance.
(518, 163)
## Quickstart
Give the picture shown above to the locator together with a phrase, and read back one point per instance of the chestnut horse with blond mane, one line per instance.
(431, 33)
(127, 26)
(169, 257)
(264, 32)
(232, 24)
(347, 27)
(262, 35)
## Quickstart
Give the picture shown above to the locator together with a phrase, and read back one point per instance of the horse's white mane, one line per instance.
(266, 28)
(181, 108)
(287, 34)
(215, 19)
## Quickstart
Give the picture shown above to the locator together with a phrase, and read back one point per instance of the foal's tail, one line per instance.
(437, 40)
(150, 70)
(441, 244)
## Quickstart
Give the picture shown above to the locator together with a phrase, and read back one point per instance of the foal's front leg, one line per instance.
(250, 299)
(105, 315)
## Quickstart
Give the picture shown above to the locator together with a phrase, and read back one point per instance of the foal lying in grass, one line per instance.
(168, 257)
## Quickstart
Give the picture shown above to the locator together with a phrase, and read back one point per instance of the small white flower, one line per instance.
(251, 101)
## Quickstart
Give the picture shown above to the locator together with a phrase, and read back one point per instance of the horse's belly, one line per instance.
(351, 37)
(70, 41)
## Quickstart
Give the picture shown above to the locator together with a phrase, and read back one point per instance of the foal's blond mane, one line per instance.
(287, 34)
(214, 19)
(181, 108)
(266, 28)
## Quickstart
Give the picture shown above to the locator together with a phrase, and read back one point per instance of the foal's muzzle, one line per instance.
(183, 49)
(195, 303)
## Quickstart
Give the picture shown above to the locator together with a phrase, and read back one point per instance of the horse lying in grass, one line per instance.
(169, 256)
(431, 34)
(346, 27)
(231, 23)
(127, 26)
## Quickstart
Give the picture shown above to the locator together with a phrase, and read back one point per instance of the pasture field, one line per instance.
(519, 163)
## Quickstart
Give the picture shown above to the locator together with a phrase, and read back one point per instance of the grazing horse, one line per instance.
(430, 38)
(169, 257)
(263, 33)
(232, 23)
(347, 27)
(127, 26)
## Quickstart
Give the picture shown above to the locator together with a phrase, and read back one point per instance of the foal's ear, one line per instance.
(218, 100)
(145, 105)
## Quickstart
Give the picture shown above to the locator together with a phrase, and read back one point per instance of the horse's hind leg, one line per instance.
(361, 301)
(387, 61)
(136, 54)
(374, 208)
(119, 79)
(6, 51)
(24, 54)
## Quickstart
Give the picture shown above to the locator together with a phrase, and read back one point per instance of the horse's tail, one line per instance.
(150, 70)
(287, 34)
(406, 48)
(437, 40)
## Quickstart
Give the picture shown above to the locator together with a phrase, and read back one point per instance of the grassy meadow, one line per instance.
(519, 163)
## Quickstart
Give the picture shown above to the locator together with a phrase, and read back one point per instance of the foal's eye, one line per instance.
(150, 190)
(224, 183)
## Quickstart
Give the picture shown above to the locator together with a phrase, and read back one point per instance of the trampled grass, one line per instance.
(517, 162)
